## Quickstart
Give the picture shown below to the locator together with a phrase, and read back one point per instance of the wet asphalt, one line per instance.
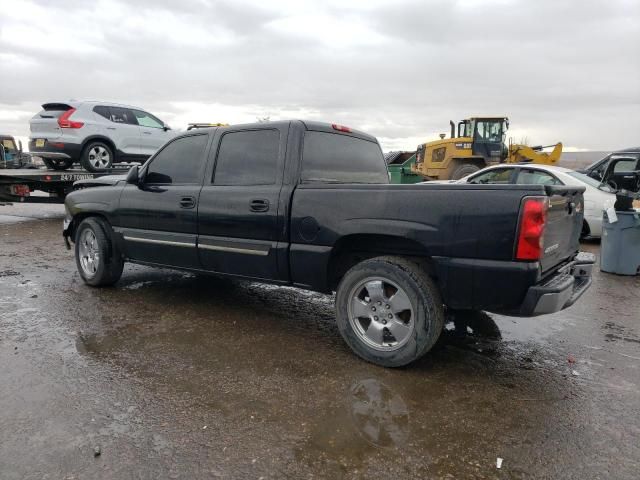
(171, 375)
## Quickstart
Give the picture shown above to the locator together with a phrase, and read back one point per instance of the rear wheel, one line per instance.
(58, 163)
(389, 311)
(97, 257)
(464, 170)
(97, 157)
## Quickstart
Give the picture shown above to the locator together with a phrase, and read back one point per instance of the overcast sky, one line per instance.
(561, 70)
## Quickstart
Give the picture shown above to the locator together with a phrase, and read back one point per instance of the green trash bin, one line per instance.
(620, 245)
(399, 166)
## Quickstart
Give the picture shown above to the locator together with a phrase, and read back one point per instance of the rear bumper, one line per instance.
(561, 290)
(56, 149)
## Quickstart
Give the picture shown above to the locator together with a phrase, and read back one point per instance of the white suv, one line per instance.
(95, 134)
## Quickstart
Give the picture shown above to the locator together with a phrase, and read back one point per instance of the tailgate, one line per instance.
(564, 224)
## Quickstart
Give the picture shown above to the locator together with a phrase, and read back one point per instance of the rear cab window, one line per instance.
(340, 158)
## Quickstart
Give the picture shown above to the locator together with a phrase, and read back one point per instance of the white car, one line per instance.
(95, 134)
(597, 196)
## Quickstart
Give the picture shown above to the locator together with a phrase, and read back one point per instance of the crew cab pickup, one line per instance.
(310, 205)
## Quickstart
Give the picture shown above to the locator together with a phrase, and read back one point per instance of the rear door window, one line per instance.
(180, 162)
(248, 158)
(122, 115)
(496, 176)
(536, 177)
(338, 158)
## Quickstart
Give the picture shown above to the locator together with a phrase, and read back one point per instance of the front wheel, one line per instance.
(98, 260)
(389, 311)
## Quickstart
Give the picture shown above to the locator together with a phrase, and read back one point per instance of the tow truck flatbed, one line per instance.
(16, 185)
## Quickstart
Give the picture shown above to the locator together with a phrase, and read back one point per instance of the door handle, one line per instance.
(259, 205)
(111, 128)
(187, 202)
(146, 133)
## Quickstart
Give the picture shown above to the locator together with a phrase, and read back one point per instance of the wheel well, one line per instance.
(586, 229)
(106, 140)
(353, 249)
(77, 220)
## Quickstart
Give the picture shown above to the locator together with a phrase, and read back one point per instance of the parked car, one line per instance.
(309, 204)
(616, 169)
(597, 195)
(95, 134)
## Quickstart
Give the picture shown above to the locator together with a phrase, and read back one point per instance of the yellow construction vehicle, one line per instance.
(477, 143)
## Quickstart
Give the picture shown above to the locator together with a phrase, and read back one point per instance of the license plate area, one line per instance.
(39, 142)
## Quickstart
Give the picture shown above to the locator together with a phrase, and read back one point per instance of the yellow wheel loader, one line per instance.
(476, 143)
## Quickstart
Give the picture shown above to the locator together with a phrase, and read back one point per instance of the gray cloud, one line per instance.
(561, 70)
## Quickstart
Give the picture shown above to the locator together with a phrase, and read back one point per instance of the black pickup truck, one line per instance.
(309, 204)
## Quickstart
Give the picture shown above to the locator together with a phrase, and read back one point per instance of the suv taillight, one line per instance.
(65, 122)
(533, 219)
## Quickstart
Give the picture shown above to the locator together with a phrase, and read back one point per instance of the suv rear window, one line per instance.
(103, 111)
(53, 110)
(338, 158)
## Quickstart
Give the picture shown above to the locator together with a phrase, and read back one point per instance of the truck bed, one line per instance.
(468, 231)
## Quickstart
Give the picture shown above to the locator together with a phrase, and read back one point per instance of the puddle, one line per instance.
(380, 415)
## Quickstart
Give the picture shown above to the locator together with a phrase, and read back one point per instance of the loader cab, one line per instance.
(9, 152)
(489, 137)
(464, 128)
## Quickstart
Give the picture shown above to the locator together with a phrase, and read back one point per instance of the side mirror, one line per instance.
(166, 127)
(133, 177)
(20, 146)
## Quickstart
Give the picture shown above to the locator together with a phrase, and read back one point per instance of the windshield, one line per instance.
(591, 181)
(9, 145)
(490, 131)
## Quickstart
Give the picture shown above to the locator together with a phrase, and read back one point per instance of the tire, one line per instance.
(97, 157)
(464, 170)
(410, 323)
(58, 164)
(98, 259)
(586, 231)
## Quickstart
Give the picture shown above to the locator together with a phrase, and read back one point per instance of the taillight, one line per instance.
(19, 190)
(531, 229)
(65, 122)
(341, 128)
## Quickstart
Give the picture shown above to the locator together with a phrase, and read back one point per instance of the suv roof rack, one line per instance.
(206, 125)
